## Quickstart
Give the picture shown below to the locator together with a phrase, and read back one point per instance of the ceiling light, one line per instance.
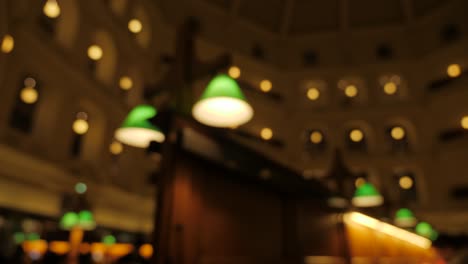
(222, 104)
(351, 91)
(29, 95)
(135, 26)
(126, 83)
(234, 72)
(95, 52)
(116, 148)
(356, 135)
(137, 129)
(398, 133)
(453, 70)
(8, 43)
(80, 126)
(390, 88)
(464, 122)
(51, 9)
(359, 182)
(266, 86)
(406, 182)
(266, 133)
(405, 218)
(81, 188)
(316, 137)
(313, 93)
(367, 195)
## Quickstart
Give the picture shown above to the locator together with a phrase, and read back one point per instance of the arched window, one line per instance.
(67, 23)
(315, 141)
(102, 57)
(80, 128)
(352, 91)
(24, 108)
(356, 139)
(398, 138)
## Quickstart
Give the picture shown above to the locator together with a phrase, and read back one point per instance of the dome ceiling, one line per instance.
(304, 17)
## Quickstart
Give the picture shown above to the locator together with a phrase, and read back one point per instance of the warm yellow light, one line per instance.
(359, 181)
(398, 133)
(313, 94)
(316, 137)
(351, 91)
(8, 43)
(51, 9)
(390, 88)
(38, 246)
(356, 135)
(406, 182)
(464, 122)
(80, 126)
(222, 112)
(116, 148)
(119, 250)
(234, 72)
(126, 83)
(135, 26)
(390, 230)
(146, 251)
(59, 247)
(29, 95)
(95, 52)
(266, 86)
(454, 70)
(266, 133)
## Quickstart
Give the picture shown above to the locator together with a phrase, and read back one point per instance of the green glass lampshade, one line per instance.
(33, 237)
(222, 104)
(137, 129)
(86, 220)
(405, 218)
(69, 220)
(367, 195)
(19, 237)
(426, 230)
(109, 240)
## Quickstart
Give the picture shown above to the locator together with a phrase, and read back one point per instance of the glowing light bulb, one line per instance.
(464, 122)
(51, 9)
(29, 95)
(8, 44)
(359, 181)
(126, 83)
(453, 70)
(398, 133)
(135, 26)
(390, 88)
(316, 137)
(313, 94)
(116, 148)
(266, 86)
(406, 182)
(80, 126)
(266, 133)
(95, 52)
(234, 72)
(351, 91)
(356, 135)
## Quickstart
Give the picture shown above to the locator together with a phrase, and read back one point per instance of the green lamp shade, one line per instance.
(405, 218)
(425, 229)
(137, 130)
(33, 237)
(367, 195)
(86, 220)
(109, 240)
(19, 237)
(222, 104)
(69, 220)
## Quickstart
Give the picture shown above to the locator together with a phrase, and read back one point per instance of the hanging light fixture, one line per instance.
(137, 130)
(405, 218)
(426, 230)
(222, 104)
(51, 9)
(367, 195)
